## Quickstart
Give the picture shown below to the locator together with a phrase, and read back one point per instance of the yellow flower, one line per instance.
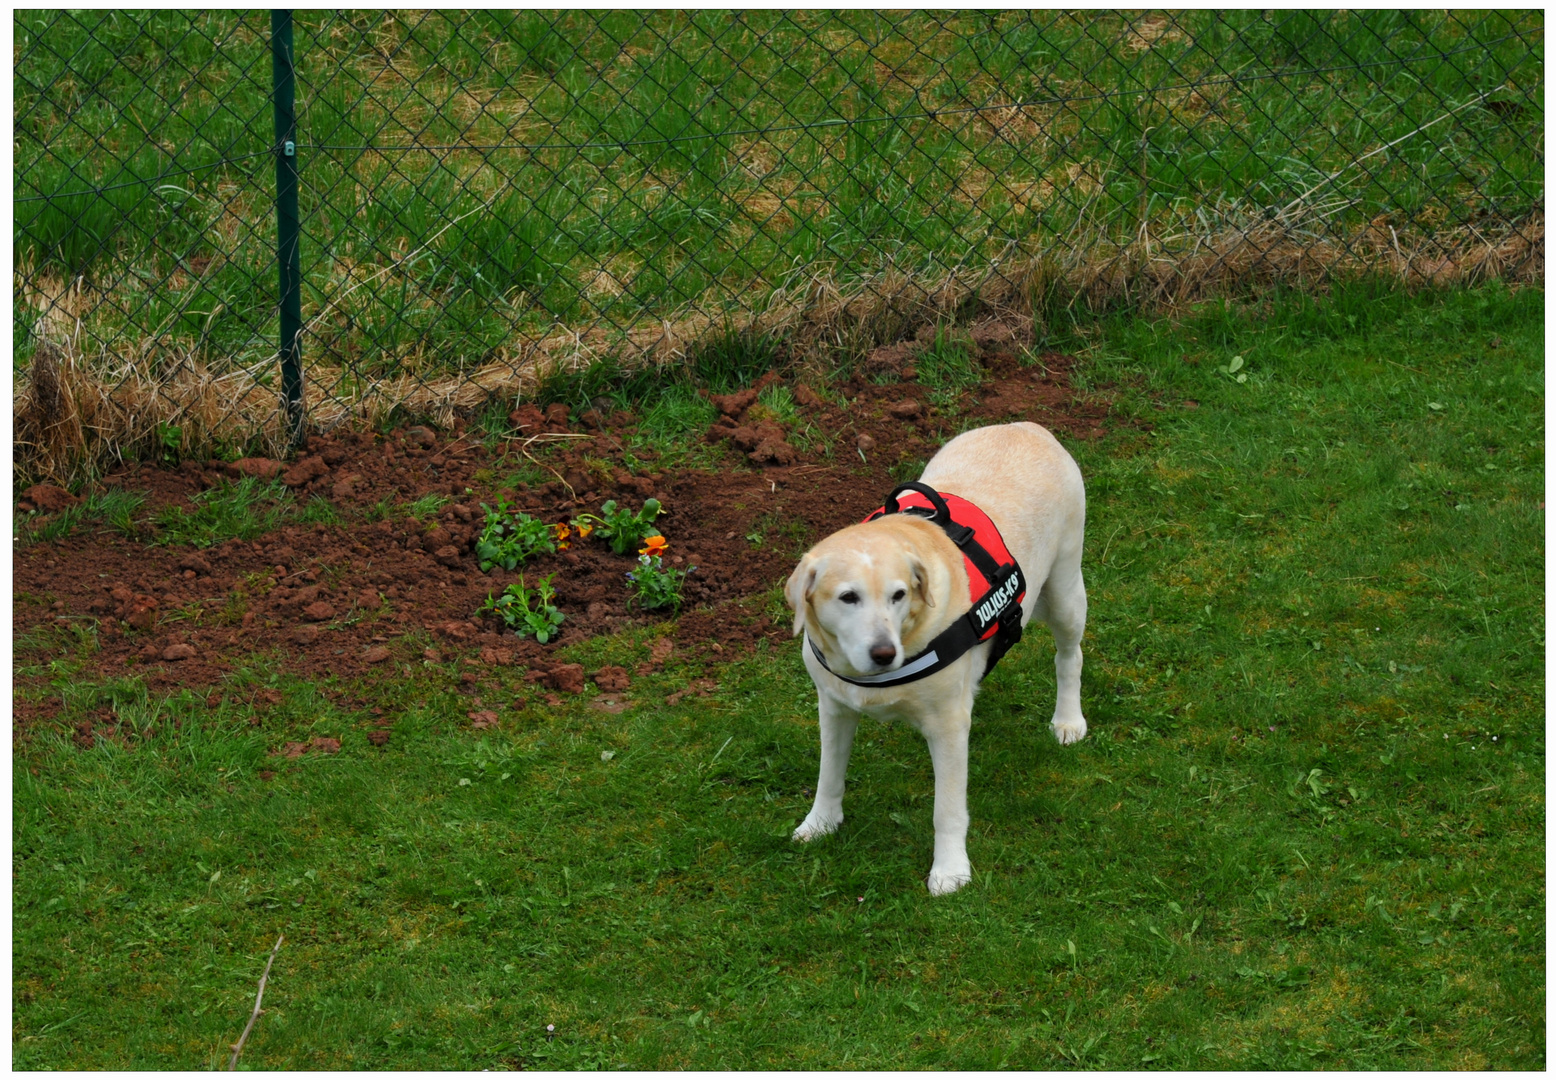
(562, 534)
(655, 545)
(584, 529)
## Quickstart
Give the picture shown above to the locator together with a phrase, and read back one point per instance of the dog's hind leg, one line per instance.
(838, 725)
(1064, 609)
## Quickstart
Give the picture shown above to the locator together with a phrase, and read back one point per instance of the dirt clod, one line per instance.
(376, 655)
(567, 678)
(319, 611)
(734, 405)
(319, 743)
(612, 680)
(179, 651)
(46, 499)
(141, 612)
(527, 418)
(258, 468)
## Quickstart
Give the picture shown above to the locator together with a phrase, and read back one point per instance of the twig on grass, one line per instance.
(237, 1047)
(571, 494)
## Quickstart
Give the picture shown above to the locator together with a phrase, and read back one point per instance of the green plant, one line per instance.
(619, 527)
(525, 611)
(171, 439)
(319, 510)
(115, 508)
(426, 506)
(653, 587)
(239, 510)
(776, 403)
(511, 536)
(948, 368)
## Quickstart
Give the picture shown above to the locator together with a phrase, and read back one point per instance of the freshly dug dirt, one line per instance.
(338, 600)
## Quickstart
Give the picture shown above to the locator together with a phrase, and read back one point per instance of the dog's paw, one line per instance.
(942, 882)
(816, 825)
(1070, 731)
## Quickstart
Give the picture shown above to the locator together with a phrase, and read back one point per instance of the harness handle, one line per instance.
(942, 511)
(961, 535)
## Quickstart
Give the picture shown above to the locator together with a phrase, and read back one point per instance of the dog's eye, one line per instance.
(898, 595)
(849, 597)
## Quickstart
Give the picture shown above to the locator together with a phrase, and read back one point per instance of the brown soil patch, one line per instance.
(338, 600)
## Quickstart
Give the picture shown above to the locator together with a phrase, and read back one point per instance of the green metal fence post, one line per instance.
(288, 227)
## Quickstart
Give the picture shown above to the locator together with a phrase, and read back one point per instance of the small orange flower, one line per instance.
(655, 545)
(562, 534)
(584, 529)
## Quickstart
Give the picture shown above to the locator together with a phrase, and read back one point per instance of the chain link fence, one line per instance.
(483, 198)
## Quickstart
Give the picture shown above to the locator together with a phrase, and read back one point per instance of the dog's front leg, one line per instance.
(838, 724)
(948, 751)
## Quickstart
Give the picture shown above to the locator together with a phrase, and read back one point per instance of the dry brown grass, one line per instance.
(76, 414)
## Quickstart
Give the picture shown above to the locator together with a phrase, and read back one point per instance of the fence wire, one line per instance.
(486, 196)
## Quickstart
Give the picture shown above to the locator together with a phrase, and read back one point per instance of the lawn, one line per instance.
(1306, 830)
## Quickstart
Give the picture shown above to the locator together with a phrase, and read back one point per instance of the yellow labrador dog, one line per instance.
(873, 595)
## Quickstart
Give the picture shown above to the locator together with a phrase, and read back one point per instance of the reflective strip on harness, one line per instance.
(994, 579)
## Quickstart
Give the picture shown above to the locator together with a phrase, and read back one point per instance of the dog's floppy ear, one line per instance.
(920, 579)
(797, 591)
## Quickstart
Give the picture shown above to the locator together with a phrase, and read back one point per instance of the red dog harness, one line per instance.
(993, 577)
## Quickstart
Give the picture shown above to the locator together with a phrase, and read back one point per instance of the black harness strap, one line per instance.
(998, 605)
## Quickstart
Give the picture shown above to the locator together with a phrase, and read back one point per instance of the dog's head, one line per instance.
(860, 592)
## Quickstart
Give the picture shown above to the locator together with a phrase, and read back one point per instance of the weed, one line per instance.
(382, 510)
(525, 611)
(115, 508)
(427, 506)
(510, 536)
(233, 510)
(948, 367)
(775, 403)
(319, 511)
(118, 508)
(906, 468)
(170, 437)
(669, 423)
(733, 360)
(786, 529)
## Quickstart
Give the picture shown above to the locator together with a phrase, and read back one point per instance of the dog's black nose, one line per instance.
(883, 654)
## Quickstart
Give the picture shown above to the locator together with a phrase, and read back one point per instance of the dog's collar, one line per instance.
(995, 615)
(918, 667)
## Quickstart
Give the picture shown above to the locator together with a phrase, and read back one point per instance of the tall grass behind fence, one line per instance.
(486, 196)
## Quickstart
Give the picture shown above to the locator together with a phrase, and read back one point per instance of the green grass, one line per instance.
(762, 147)
(113, 508)
(1306, 830)
(947, 368)
(239, 509)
